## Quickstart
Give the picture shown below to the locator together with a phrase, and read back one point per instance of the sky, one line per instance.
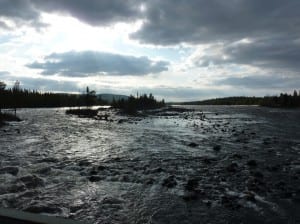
(179, 50)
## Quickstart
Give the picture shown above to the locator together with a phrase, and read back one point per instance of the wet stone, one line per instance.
(10, 169)
(43, 209)
(207, 161)
(266, 141)
(280, 185)
(287, 195)
(125, 178)
(249, 196)
(169, 182)
(193, 145)
(84, 163)
(258, 174)
(44, 171)
(95, 178)
(100, 167)
(121, 121)
(252, 163)
(48, 160)
(207, 203)
(93, 172)
(192, 184)
(237, 156)
(255, 184)
(273, 168)
(15, 188)
(150, 181)
(217, 148)
(32, 181)
(232, 167)
(230, 202)
(157, 170)
(190, 196)
(111, 200)
(30, 194)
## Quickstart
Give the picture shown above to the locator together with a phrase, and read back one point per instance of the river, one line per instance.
(209, 164)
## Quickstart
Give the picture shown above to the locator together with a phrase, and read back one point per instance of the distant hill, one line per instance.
(238, 100)
(109, 97)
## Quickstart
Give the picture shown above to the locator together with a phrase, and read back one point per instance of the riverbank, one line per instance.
(6, 117)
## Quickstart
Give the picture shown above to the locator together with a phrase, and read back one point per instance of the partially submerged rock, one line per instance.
(232, 167)
(169, 182)
(95, 178)
(32, 181)
(193, 145)
(83, 112)
(192, 184)
(10, 169)
(217, 148)
(252, 163)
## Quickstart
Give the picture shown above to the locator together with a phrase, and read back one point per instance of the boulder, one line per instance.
(10, 169)
(217, 148)
(169, 182)
(193, 144)
(32, 181)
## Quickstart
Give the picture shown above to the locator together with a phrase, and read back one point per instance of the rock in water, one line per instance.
(232, 167)
(10, 169)
(252, 163)
(193, 144)
(94, 178)
(217, 148)
(32, 181)
(191, 184)
(169, 182)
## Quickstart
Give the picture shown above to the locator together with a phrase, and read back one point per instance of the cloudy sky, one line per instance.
(176, 49)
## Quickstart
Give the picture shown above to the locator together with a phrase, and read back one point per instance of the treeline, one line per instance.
(21, 98)
(133, 104)
(238, 100)
(283, 100)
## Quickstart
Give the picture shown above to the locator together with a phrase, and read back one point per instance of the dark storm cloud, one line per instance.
(93, 12)
(273, 54)
(21, 12)
(272, 25)
(3, 25)
(88, 63)
(173, 21)
(18, 9)
(202, 21)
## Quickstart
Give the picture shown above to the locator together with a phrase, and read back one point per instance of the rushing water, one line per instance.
(243, 166)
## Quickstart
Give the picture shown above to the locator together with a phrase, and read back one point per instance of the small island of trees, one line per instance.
(133, 104)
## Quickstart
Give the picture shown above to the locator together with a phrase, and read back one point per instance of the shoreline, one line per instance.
(6, 117)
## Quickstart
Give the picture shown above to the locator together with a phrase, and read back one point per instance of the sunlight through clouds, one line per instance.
(201, 45)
